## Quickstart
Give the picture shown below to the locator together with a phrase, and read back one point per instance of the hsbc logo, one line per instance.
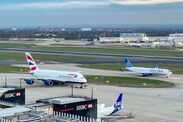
(90, 105)
(81, 107)
(84, 107)
(17, 94)
(9, 95)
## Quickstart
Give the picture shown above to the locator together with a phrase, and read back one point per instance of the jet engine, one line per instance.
(146, 74)
(48, 82)
(29, 81)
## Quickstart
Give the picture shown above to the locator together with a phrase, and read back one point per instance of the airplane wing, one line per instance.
(31, 78)
(128, 116)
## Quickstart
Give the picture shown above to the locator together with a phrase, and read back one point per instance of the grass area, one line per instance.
(115, 67)
(128, 81)
(122, 51)
(175, 68)
(44, 57)
(15, 45)
(11, 69)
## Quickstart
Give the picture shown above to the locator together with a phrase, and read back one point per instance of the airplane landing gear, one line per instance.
(82, 86)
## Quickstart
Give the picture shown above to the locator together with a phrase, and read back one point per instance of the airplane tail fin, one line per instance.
(127, 62)
(118, 105)
(32, 64)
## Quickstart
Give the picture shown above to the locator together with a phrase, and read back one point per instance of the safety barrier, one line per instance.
(66, 117)
(56, 117)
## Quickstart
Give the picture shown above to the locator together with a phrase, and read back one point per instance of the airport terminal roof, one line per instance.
(6, 89)
(14, 110)
(65, 99)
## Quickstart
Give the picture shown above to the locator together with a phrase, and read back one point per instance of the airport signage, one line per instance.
(16, 96)
(86, 108)
(83, 107)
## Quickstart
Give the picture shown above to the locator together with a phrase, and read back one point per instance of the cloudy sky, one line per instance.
(82, 12)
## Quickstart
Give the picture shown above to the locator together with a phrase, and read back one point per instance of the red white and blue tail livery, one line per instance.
(50, 77)
(32, 64)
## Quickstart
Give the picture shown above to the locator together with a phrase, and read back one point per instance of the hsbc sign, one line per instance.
(90, 105)
(13, 95)
(81, 107)
(9, 95)
(84, 107)
(87, 107)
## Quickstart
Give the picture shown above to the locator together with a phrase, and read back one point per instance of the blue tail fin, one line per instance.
(127, 63)
(117, 105)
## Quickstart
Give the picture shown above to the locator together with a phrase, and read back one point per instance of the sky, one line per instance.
(27, 13)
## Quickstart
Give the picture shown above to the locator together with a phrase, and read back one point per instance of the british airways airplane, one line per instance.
(146, 72)
(50, 77)
(107, 112)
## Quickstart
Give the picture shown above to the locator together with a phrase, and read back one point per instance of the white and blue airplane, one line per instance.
(50, 77)
(146, 72)
(107, 112)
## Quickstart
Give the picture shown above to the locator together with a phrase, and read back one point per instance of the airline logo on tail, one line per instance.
(117, 105)
(31, 62)
(127, 63)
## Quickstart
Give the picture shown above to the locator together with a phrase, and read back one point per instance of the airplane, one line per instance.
(107, 112)
(51, 77)
(146, 72)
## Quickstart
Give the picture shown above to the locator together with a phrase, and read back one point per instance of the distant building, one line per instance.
(111, 40)
(40, 29)
(63, 29)
(134, 37)
(13, 29)
(86, 29)
(45, 35)
(176, 37)
(158, 39)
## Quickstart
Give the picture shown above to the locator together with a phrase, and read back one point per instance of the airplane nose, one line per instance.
(85, 80)
(170, 73)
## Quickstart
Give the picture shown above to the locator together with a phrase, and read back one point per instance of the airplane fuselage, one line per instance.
(144, 70)
(59, 76)
(102, 112)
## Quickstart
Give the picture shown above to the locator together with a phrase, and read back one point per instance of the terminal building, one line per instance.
(126, 38)
(111, 40)
(58, 109)
(86, 29)
(134, 37)
(177, 37)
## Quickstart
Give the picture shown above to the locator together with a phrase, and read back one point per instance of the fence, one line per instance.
(66, 117)
(45, 117)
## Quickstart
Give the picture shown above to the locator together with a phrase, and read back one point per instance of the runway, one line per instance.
(147, 104)
(106, 58)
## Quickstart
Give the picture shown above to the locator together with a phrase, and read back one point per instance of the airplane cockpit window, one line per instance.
(82, 77)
